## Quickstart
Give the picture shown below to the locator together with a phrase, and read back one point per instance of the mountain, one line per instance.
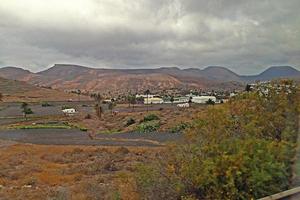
(20, 91)
(275, 72)
(70, 77)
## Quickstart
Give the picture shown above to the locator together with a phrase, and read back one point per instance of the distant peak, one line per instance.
(216, 67)
(281, 67)
(15, 69)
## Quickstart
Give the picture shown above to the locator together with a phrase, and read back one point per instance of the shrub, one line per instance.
(28, 111)
(243, 149)
(46, 104)
(65, 107)
(150, 117)
(180, 127)
(130, 121)
(147, 127)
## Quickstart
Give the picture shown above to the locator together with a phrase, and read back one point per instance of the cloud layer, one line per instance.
(246, 36)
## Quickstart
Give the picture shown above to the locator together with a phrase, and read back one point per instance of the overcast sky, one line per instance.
(246, 36)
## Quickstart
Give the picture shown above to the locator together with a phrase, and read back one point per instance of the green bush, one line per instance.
(46, 104)
(65, 107)
(147, 127)
(180, 127)
(27, 111)
(150, 117)
(130, 121)
(243, 149)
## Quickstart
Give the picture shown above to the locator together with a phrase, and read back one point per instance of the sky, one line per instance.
(246, 36)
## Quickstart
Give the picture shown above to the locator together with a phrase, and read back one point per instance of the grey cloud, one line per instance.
(245, 36)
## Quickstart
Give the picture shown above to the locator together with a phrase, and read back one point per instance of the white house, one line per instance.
(144, 95)
(181, 99)
(69, 111)
(153, 100)
(203, 99)
(183, 105)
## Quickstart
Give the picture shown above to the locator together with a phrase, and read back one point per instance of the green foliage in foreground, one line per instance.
(147, 127)
(130, 121)
(180, 127)
(150, 117)
(240, 150)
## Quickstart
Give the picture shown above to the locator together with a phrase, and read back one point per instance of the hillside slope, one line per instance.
(70, 77)
(19, 91)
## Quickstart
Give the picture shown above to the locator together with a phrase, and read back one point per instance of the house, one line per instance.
(69, 111)
(203, 99)
(153, 100)
(183, 105)
(144, 96)
(181, 100)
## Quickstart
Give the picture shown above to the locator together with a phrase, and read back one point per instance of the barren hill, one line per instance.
(14, 90)
(66, 76)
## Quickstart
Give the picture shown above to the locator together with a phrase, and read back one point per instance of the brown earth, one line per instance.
(20, 91)
(118, 81)
(70, 172)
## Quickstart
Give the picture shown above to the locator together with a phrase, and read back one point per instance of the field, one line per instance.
(47, 156)
(69, 172)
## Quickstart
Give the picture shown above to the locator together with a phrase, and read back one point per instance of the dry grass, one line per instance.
(70, 172)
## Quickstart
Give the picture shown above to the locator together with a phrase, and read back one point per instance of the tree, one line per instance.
(190, 99)
(99, 110)
(210, 102)
(147, 92)
(132, 100)
(248, 88)
(26, 110)
(111, 106)
(78, 94)
(172, 99)
(98, 107)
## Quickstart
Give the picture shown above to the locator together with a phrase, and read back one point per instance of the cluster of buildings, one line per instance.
(155, 99)
(264, 88)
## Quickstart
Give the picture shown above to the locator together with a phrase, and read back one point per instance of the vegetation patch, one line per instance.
(243, 149)
(46, 104)
(180, 127)
(130, 121)
(149, 126)
(43, 126)
(150, 117)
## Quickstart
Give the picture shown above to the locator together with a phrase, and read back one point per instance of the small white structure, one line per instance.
(144, 95)
(69, 111)
(153, 100)
(181, 99)
(203, 99)
(183, 105)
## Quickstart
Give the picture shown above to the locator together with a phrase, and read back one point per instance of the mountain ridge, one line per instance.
(69, 76)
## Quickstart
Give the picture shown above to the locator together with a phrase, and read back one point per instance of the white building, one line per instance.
(153, 100)
(69, 111)
(203, 99)
(144, 95)
(181, 100)
(183, 105)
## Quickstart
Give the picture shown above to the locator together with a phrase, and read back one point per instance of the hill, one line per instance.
(69, 77)
(20, 91)
(275, 72)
